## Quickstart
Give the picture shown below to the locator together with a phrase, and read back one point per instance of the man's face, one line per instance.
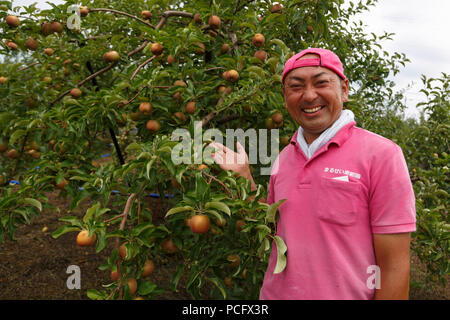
(314, 97)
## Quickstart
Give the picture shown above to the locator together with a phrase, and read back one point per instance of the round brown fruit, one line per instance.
(123, 250)
(170, 59)
(258, 40)
(168, 246)
(153, 125)
(199, 47)
(111, 56)
(177, 96)
(234, 259)
(269, 124)
(132, 285)
(48, 51)
(191, 107)
(214, 22)
(12, 45)
(180, 83)
(239, 225)
(222, 89)
(115, 275)
(12, 154)
(62, 184)
(276, 8)
(3, 80)
(84, 11)
(12, 21)
(83, 239)
(180, 116)
(156, 48)
(225, 48)
(277, 118)
(31, 44)
(146, 14)
(75, 93)
(46, 28)
(35, 154)
(261, 55)
(3, 147)
(228, 281)
(197, 18)
(148, 269)
(145, 108)
(221, 222)
(56, 27)
(233, 75)
(285, 140)
(200, 223)
(202, 167)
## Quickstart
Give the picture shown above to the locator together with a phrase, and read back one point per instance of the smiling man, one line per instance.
(350, 204)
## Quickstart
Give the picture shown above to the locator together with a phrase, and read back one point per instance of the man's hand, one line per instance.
(392, 256)
(237, 162)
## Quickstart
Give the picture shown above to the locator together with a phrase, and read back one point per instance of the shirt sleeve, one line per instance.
(391, 199)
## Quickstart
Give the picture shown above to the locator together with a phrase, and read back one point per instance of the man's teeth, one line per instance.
(312, 110)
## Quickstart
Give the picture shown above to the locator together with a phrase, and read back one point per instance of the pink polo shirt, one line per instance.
(354, 186)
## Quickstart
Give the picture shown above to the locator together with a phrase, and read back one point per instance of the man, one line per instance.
(350, 204)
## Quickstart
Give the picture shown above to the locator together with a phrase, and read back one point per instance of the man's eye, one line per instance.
(322, 82)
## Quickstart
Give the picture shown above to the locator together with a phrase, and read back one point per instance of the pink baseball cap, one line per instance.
(327, 59)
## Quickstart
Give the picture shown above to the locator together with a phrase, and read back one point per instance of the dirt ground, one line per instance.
(34, 267)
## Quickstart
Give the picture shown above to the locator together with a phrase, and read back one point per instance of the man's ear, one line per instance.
(284, 96)
(344, 88)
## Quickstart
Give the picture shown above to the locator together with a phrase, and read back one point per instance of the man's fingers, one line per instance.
(239, 147)
(218, 158)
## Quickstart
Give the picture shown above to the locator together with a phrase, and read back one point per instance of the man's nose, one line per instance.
(309, 94)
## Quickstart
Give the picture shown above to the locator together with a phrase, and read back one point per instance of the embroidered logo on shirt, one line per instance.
(343, 171)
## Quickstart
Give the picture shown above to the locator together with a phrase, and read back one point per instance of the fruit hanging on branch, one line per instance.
(84, 240)
(12, 21)
(214, 22)
(111, 56)
(258, 40)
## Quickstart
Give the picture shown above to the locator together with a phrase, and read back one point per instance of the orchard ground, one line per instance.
(34, 267)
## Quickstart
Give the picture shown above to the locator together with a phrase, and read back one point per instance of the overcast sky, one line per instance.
(421, 32)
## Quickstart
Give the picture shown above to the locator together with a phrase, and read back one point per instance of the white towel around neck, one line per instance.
(345, 118)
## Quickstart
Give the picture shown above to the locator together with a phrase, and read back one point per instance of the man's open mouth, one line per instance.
(313, 110)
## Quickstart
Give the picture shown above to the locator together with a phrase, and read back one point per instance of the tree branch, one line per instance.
(79, 84)
(124, 14)
(142, 65)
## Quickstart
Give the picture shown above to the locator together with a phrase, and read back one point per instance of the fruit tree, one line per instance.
(123, 76)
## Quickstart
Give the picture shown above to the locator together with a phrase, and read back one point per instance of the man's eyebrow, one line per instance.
(303, 80)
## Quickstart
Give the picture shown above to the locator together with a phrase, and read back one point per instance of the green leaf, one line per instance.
(272, 211)
(281, 257)
(218, 206)
(146, 288)
(90, 212)
(141, 228)
(16, 135)
(64, 229)
(33, 202)
(148, 167)
(96, 295)
(219, 286)
(101, 241)
(216, 214)
(178, 210)
(176, 278)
